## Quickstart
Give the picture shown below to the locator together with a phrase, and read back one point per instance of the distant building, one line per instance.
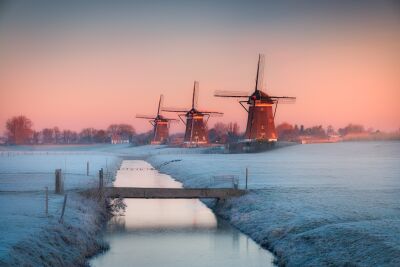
(117, 139)
(307, 139)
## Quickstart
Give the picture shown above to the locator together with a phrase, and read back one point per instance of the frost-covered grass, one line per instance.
(27, 236)
(34, 171)
(43, 241)
(322, 204)
(312, 205)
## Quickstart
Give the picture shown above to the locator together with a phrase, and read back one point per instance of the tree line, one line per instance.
(351, 132)
(19, 131)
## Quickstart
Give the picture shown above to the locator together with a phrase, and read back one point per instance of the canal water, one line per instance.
(172, 232)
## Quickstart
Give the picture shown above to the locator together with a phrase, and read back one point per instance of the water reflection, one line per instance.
(164, 214)
(172, 232)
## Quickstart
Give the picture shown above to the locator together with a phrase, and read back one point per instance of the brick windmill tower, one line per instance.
(160, 125)
(261, 115)
(196, 121)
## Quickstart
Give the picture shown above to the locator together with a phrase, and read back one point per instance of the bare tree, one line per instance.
(285, 131)
(87, 135)
(316, 131)
(69, 137)
(351, 129)
(330, 130)
(125, 131)
(224, 133)
(48, 136)
(19, 130)
(219, 133)
(35, 137)
(142, 139)
(57, 135)
(233, 129)
(233, 132)
(101, 137)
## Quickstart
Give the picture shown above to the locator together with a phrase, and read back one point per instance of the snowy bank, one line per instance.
(29, 237)
(315, 205)
(62, 244)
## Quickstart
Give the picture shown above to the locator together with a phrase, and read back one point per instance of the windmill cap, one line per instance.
(260, 95)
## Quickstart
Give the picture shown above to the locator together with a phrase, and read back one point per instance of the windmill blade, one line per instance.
(149, 117)
(195, 94)
(179, 110)
(172, 120)
(220, 93)
(211, 112)
(160, 104)
(283, 99)
(260, 72)
(216, 114)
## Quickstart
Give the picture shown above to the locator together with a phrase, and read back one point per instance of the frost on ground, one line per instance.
(51, 243)
(27, 235)
(316, 205)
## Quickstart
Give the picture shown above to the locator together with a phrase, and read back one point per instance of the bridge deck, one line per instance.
(139, 192)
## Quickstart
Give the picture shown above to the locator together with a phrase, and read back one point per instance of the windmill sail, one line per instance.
(160, 103)
(283, 99)
(260, 72)
(141, 116)
(210, 112)
(195, 96)
(176, 110)
(223, 93)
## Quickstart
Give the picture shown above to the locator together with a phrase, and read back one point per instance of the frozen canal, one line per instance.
(172, 232)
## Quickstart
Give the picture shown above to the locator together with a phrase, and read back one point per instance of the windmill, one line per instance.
(196, 120)
(260, 119)
(160, 125)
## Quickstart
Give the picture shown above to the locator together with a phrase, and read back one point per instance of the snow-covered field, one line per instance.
(321, 204)
(315, 205)
(26, 234)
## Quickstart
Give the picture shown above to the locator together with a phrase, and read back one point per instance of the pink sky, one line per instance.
(75, 78)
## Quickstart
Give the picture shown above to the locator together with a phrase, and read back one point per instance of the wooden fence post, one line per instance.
(63, 209)
(101, 179)
(59, 182)
(47, 201)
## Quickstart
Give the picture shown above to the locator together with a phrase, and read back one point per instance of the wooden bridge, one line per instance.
(143, 192)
